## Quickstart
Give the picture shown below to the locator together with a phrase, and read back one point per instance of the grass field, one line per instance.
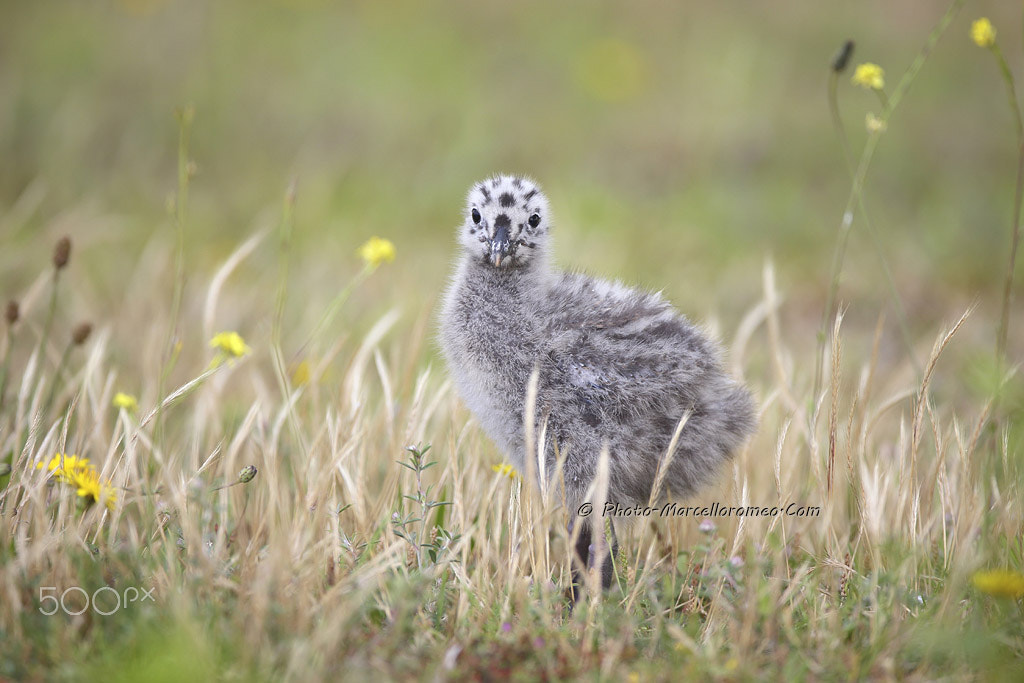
(306, 498)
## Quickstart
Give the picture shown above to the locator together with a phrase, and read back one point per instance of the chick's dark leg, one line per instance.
(580, 557)
(585, 557)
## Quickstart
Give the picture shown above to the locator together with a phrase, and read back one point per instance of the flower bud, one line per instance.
(842, 58)
(62, 252)
(81, 333)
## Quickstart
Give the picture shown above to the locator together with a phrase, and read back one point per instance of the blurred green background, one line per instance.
(681, 144)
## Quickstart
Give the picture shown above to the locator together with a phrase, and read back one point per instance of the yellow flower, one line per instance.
(125, 401)
(88, 483)
(506, 469)
(78, 473)
(89, 486)
(376, 251)
(63, 472)
(874, 124)
(870, 76)
(983, 33)
(230, 344)
(1001, 583)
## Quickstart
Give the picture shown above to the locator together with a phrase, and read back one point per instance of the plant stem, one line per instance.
(1004, 318)
(854, 198)
(876, 244)
(840, 254)
(48, 325)
(5, 368)
(170, 355)
(280, 369)
(335, 306)
(837, 121)
(56, 378)
(901, 314)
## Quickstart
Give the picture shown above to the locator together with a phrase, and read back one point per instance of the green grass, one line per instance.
(685, 149)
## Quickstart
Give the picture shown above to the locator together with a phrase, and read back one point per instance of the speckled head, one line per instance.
(506, 223)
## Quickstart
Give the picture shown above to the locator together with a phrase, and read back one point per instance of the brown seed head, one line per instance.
(62, 252)
(842, 57)
(81, 333)
(12, 312)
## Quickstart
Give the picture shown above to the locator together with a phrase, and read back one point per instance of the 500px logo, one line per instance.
(113, 599)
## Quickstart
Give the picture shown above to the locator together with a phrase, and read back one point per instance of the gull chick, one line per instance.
(618, 368)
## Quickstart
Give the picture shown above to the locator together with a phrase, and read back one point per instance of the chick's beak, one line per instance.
(499, 246)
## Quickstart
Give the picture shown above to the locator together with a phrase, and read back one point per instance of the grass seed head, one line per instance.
(62, 253)
(81, 333)
(842, 58)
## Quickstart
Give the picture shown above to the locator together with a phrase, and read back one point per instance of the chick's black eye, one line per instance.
(476, 216)
(534, 220)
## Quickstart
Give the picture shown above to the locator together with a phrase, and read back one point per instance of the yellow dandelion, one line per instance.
(125, 402)
(1001, 583)
(87, 482)
(90, 487)
(506, 469)
(81, 475)
(53, 464)
(230, 344)
(62, 465)
(870, 76)
(983, 33)
(875, 124)
(377, 250)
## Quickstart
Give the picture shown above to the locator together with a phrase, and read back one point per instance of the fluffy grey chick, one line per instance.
(618, 367)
